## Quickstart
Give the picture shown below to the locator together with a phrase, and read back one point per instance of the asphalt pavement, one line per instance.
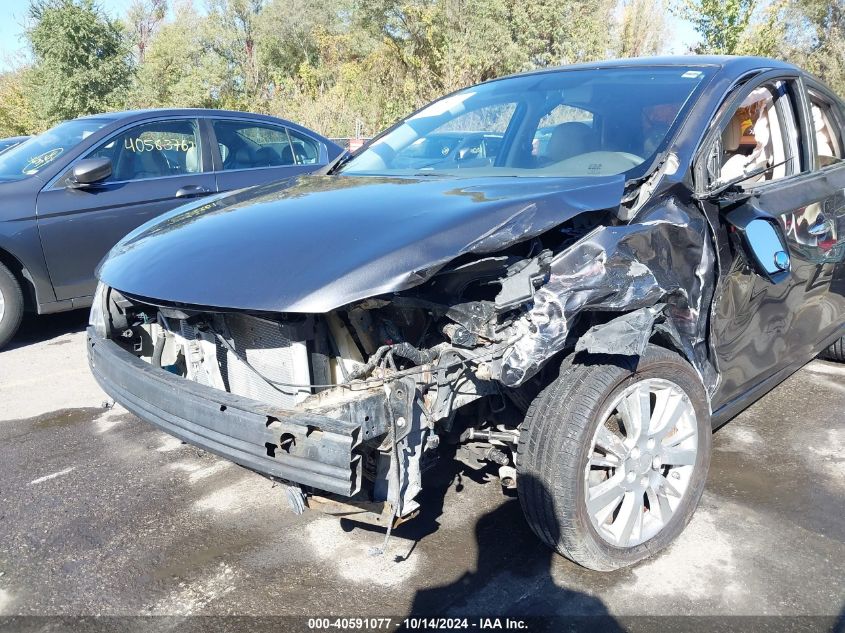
(101, 514)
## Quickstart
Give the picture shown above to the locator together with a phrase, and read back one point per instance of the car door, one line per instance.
(156, 166)
(251, 152)
(773, 308)
(826, 240)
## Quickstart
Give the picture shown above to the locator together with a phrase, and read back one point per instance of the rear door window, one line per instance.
(826, 130)
(251, 145)
(306, 151)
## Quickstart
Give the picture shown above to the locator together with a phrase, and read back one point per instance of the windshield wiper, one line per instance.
(336, 164)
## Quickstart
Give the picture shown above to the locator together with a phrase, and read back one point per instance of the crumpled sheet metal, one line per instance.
(664, 257)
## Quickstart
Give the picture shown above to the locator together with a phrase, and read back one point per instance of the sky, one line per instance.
(13, 17)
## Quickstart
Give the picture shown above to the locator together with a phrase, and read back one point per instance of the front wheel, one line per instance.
(836, 351)
(613, 457)
(11, 305)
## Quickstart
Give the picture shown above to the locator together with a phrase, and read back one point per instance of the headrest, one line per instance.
(570, 139)
(818, 119)
(732, 135)
(192, 161)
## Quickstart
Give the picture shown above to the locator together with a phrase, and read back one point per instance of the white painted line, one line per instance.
(53, 476)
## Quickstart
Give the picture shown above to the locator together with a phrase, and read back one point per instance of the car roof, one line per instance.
(737, 65)
(124, 114)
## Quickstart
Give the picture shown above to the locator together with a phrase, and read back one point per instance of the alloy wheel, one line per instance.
(641, 462)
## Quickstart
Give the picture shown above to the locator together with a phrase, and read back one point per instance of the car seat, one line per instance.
(134, 165)
(192, 163)
(568, 140)
(287, 156)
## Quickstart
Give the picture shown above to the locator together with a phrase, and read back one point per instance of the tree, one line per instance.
(720, 23)
(288, 33)
(82, 62)
(144, 17)
(816, 39)
(178, 70)
(230, 34)
(17, 116)
(642, 30)
(766, 34)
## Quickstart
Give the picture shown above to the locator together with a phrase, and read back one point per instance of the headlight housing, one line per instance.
(97, 318)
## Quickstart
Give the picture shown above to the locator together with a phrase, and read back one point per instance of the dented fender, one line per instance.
(659, 264)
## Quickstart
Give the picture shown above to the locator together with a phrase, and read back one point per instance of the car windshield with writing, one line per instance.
(30, 157)
(593, 122)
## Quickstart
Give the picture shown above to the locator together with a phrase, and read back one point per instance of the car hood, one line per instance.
(315, 243)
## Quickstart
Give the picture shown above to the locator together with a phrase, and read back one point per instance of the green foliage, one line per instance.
(17, 116)
(341, 66)
(143, 19)
(720, 23)
(178, 70)
(642, 30)
(766, 36)
(816, 39)
(82, 63)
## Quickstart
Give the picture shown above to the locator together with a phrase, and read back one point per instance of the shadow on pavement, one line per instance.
(512, 573)
(512, 579)
(37, 328)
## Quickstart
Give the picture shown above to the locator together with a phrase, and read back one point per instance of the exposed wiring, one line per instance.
(362, 382)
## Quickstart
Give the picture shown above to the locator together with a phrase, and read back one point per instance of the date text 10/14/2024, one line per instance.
(417, 623)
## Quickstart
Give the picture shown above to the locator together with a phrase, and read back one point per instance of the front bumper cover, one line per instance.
(305, 447)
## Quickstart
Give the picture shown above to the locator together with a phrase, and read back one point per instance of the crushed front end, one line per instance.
(342, 407)
(347, 389)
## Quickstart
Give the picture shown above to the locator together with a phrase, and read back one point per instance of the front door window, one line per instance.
(153, 150)
(759, 143)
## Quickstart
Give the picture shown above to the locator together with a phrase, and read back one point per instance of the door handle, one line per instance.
(191, 191)
(821, 227)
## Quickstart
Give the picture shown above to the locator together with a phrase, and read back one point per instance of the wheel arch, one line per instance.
(594, 326)
(23, 277)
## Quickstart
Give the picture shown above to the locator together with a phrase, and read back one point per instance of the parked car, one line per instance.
(12, 141)
(69, 194)
(579, 314)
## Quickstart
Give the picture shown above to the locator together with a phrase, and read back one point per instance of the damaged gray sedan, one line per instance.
(568, 277)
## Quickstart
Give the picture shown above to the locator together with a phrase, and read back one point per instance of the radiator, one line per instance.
(266, 345)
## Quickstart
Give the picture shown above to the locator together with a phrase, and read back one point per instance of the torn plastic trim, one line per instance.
(626, 335)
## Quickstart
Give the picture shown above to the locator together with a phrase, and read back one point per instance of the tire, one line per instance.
(557, 439)
(11, 305)
(836, 351)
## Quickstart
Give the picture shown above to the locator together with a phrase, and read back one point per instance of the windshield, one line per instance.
(565, 123)
(33, 155)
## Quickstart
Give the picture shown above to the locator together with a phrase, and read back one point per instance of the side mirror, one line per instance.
(766, 245)
(90, 171)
